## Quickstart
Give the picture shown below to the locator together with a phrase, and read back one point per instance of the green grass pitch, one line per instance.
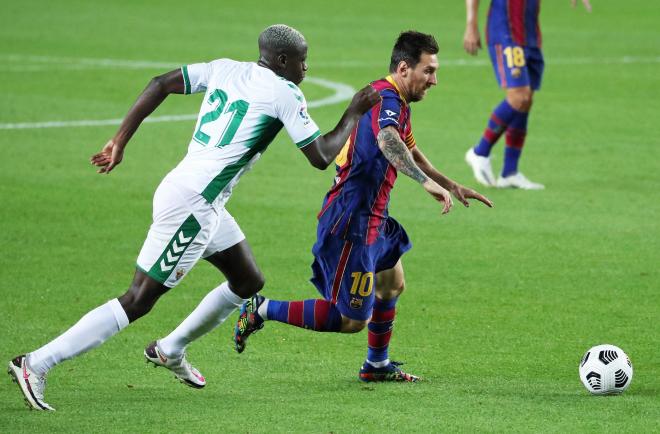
(500, 304)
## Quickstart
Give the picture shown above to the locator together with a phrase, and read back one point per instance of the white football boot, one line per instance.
(481, 168)
(518, 181)
(182, 370)
(32, 385)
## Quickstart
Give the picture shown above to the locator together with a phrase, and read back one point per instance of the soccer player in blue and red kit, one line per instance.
(513, 36)
(357, 256)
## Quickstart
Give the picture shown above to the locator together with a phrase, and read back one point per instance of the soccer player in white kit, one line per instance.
(244, 107)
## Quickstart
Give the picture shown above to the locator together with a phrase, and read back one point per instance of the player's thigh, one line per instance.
(535, 66)
(509, 65)
(344, 273)
(182, 225)
(390, 283)
(229, 252)
(392, 244)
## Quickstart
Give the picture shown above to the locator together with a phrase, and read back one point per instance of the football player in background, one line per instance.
(513, 36)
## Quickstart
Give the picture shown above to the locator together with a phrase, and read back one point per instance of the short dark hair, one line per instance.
(409, 47)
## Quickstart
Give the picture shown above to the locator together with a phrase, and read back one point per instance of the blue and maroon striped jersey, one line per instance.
(356, 205)
(514, 22)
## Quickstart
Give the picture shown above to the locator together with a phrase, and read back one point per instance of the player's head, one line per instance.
(415, 63)
(284, 50)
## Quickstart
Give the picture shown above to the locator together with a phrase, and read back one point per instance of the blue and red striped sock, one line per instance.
(380, 329)
(515, 140)
(499, 120)
(315, 314)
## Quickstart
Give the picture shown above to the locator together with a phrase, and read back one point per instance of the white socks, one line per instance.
(212, 311)
(380, 364)
(262, 311)
(105, 321)
(92, 330)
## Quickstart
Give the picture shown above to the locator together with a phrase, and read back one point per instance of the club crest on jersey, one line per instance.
(303, 115)
(356, 303)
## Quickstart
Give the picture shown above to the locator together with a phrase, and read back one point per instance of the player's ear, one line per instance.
(402, 68)
(281, 59)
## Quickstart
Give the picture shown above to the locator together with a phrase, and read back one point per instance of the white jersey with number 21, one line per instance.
(245, 105)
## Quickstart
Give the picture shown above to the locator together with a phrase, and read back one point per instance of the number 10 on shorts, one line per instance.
(363, 283)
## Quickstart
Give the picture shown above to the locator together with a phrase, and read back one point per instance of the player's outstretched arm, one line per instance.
(151, 97)
(471, 38)
(323, 151)
(460, 192)
(399, 156)
(585, 3)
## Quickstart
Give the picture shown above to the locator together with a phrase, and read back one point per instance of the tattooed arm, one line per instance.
(399, 156)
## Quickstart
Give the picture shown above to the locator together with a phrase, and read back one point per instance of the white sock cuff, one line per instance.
(229, 295)
(119, 313)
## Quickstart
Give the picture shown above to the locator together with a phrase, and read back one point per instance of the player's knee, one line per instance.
(135, 305)
(398, 288)
(246, 288)
(520, 99)
(392, 290)
(352, 325)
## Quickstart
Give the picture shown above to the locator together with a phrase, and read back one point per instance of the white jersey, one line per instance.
(245, 105)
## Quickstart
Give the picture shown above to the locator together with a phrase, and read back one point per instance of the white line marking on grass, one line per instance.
(342, 92)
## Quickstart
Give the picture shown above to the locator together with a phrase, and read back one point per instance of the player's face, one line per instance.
(422, 77)
(296, 66)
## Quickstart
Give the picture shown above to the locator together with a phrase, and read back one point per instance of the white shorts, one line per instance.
(185, 228)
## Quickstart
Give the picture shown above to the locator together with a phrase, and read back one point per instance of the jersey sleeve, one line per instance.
(388, 113)
(291, 110)
(195, 77)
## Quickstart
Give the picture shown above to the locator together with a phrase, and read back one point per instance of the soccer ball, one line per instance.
(606, 369)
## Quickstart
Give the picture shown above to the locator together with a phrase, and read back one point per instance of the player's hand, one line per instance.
(463, 194)
(586, 4)
(472, 40)
(109, 157)
(364, 99)
(439, 193)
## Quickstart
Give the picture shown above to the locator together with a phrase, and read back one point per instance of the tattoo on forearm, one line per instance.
(398, 155)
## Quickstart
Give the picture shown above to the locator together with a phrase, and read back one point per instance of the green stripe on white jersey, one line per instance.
(264, 135)
(186, 80)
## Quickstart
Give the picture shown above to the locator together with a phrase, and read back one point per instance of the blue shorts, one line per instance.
(344, 271)
(517, 66)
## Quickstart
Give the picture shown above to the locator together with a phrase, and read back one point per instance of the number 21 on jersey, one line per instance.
(232, 117)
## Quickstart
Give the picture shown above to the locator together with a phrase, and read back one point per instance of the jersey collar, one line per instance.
(393, 83)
